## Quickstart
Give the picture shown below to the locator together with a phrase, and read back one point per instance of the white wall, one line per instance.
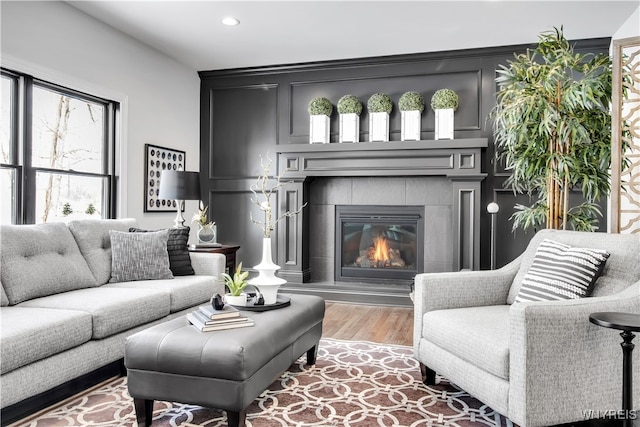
(631, 27)
(160, 97)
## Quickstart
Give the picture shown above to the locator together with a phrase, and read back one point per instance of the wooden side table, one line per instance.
(627, 323)
(229, 251)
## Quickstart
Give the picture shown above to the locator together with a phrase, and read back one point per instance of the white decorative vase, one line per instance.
(410, 126)
(238, 301)
(378, 127)
(207, 233)
(266, 281)
(444, 123)
(349, 128)
(318, 129)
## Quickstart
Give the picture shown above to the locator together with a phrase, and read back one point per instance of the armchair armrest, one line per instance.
(439, 291)
(208, 264)
(561, 365)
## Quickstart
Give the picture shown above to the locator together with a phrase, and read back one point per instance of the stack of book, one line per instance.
(207, 319)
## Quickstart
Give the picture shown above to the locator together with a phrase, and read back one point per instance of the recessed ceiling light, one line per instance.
(230, 20)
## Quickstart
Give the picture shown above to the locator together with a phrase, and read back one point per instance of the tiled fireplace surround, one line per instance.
(441, 176)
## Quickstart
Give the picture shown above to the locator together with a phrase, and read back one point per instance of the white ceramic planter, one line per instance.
(349, 128)
(378, 127)
(318, 129)
(444, 123)
(239, 301)
(410, 125)
(266, 281)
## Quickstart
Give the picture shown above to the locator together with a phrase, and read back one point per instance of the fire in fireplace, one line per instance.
(379, 243)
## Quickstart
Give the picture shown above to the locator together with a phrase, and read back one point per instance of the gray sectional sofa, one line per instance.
(62, 318)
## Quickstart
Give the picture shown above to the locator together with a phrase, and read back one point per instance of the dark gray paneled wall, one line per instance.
(246, 112)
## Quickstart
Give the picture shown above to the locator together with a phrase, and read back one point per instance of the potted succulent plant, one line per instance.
(235, 285)
(411, 105)
(349, 108)
(379, 106)
(320, 110)
(444, 102)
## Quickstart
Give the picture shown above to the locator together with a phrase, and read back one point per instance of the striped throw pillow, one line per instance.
(561, 272)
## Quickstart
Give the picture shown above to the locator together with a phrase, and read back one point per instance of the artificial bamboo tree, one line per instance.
(552, 130)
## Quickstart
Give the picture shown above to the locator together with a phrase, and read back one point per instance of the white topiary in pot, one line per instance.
(444, 102)
(379, 106)
(411, 105)
(320, 110)
(349, 108)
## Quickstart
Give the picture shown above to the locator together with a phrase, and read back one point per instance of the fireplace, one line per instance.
(379, 244)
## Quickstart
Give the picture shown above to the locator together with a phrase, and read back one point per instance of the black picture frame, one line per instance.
(157, 160)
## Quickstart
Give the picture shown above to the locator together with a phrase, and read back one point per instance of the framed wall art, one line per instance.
(156, 161)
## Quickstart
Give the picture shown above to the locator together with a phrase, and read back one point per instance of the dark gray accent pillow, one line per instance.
(561, 271)
(139, 256)
(178, 250)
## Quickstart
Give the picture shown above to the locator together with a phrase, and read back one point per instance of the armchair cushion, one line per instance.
(479, 335)
(561, 271)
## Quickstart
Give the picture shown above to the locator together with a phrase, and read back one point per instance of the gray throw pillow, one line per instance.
(139, 256)
(561, 271)
(178, 250)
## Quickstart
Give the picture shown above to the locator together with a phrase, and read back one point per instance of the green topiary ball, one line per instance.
(411, 101)
(444, 98)
(380, 103)
(320, 106)
(349, 104)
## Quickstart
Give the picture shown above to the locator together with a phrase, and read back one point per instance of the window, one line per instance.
(58, 157)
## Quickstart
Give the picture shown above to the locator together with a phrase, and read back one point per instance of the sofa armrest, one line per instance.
(562, 365)
(208, 264)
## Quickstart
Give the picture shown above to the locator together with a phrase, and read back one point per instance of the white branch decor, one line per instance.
(262, 193)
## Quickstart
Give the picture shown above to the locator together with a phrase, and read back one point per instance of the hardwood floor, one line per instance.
(380, 324)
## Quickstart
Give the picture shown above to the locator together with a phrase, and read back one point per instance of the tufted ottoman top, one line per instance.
(176, 347)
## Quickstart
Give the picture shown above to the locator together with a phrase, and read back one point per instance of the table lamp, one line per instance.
(179, 186)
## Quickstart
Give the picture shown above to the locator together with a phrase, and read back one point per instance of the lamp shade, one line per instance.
(180, 185)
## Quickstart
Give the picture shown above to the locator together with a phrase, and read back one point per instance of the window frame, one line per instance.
(21, 140)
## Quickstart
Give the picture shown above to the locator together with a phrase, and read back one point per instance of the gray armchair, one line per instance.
(540, 363)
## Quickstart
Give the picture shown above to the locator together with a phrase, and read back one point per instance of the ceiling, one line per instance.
(288, 32)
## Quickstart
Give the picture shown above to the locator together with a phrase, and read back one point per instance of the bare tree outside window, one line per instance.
(68, 136)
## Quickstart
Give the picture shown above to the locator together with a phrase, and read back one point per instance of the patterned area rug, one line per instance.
(355, 384)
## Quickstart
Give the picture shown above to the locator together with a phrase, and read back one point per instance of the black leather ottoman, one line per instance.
(225, 369)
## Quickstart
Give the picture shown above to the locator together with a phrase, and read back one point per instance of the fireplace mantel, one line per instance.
(458, 160)
(399, 158)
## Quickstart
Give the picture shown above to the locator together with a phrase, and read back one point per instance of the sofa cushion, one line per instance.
(113, 310)
(139, 256)
(622, 267)
(39, 260)
(184, 291)
(178, 250)
(92, 237)
(486, 335)
(31, 334)
(560, 272)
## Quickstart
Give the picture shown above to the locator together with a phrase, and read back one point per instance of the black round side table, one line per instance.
(627, 323)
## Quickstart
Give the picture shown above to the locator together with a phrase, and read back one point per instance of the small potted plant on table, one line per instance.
(235, 286)
(349, 108)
